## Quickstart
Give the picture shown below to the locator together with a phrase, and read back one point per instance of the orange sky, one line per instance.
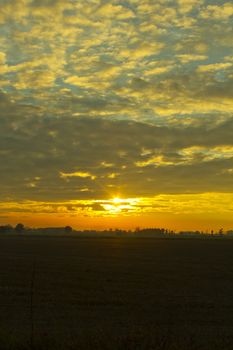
(183, 212)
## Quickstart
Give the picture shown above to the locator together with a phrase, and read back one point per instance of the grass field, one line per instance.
(115, 293)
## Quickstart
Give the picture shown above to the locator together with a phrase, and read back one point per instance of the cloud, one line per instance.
(65, 45)
(214, 67)
(59, 157)
(186, 6)
(77, 174)
(111, 11)
(141, 50)
(99, 98)
(186, 204)
(2, 58)
(218, 12)
(186, 58)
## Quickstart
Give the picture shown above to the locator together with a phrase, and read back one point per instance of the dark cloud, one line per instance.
(35, 150)
(39, 3)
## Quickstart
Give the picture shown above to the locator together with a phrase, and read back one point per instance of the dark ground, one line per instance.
(116, 293)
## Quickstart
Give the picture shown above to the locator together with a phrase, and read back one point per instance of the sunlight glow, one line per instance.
(117, 200)
(118, 205)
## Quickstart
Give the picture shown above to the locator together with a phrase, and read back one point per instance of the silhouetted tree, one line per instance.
(19, 228)
(68, 229)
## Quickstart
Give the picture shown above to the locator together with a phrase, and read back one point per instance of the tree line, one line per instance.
(137, 232)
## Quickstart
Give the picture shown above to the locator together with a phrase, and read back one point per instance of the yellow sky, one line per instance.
(176, 212)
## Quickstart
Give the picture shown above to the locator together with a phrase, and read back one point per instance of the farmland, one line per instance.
(115, 293)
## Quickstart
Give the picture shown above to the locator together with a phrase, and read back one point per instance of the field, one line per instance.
(115, 293)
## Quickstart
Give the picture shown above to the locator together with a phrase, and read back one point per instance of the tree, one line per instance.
(19, 228)
(68, 229)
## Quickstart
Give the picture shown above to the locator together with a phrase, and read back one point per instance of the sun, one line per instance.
(117, 200)
(117, 205)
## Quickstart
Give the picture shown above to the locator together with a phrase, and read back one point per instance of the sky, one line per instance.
(116, 113)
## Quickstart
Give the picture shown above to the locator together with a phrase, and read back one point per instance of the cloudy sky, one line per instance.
(116, 113)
